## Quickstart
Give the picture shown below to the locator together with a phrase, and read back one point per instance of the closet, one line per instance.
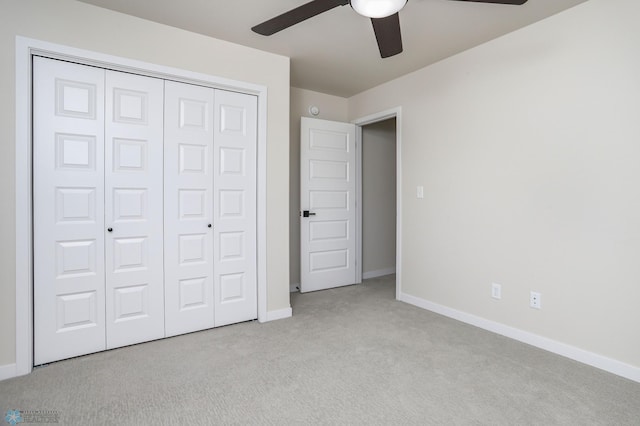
(144, 206)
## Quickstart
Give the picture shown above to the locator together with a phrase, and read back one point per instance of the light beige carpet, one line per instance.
(352, 355)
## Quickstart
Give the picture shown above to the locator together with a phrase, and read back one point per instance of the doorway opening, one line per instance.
(378, 198)
(387, 126)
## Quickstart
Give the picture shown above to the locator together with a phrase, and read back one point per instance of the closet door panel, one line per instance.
(188, 208)
(235, 265)
(134, 208)
(68, 205)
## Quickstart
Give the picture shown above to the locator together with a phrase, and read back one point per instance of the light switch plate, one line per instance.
(496, 291)
(420, 191)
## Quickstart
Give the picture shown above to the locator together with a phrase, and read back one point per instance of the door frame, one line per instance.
(26, 48)
(360, 122)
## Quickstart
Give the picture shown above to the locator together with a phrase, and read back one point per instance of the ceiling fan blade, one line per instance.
(297, 15)
(513, 2)
(388, 35)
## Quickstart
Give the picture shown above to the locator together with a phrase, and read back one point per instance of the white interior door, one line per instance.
(235, 208)
(328, 209)
(189, 151)
(68, 206)
(133, 208)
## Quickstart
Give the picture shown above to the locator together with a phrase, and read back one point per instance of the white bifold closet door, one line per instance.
(210, 207)
(235, 207)
(98, 281)
(133, 208)
(145, 209)
(188, 207)
(68, 210)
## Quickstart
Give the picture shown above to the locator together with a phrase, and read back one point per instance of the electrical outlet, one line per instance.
(535, 300)
(496, 291)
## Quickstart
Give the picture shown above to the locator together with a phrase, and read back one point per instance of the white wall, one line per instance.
(379, 198)
(331, 108)
(87, 27)
(529, 150)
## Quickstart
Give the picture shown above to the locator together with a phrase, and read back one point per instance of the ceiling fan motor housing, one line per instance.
(377, 8)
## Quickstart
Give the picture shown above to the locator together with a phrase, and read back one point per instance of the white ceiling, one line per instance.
(336, 52)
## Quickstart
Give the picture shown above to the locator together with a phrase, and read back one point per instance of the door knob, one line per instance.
(110, 229)
(209, 226)
(307, 213)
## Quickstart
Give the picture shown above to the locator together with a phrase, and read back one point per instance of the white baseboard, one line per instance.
(378, 273)
(598, 361)
(293, 288)
(279, 314)
(8, 371)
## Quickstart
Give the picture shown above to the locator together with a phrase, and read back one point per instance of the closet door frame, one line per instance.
(26, 49)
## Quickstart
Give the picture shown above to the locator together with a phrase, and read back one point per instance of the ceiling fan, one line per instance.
(383, 13)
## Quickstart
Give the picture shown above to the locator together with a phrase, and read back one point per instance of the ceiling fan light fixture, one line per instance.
(377, 8)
